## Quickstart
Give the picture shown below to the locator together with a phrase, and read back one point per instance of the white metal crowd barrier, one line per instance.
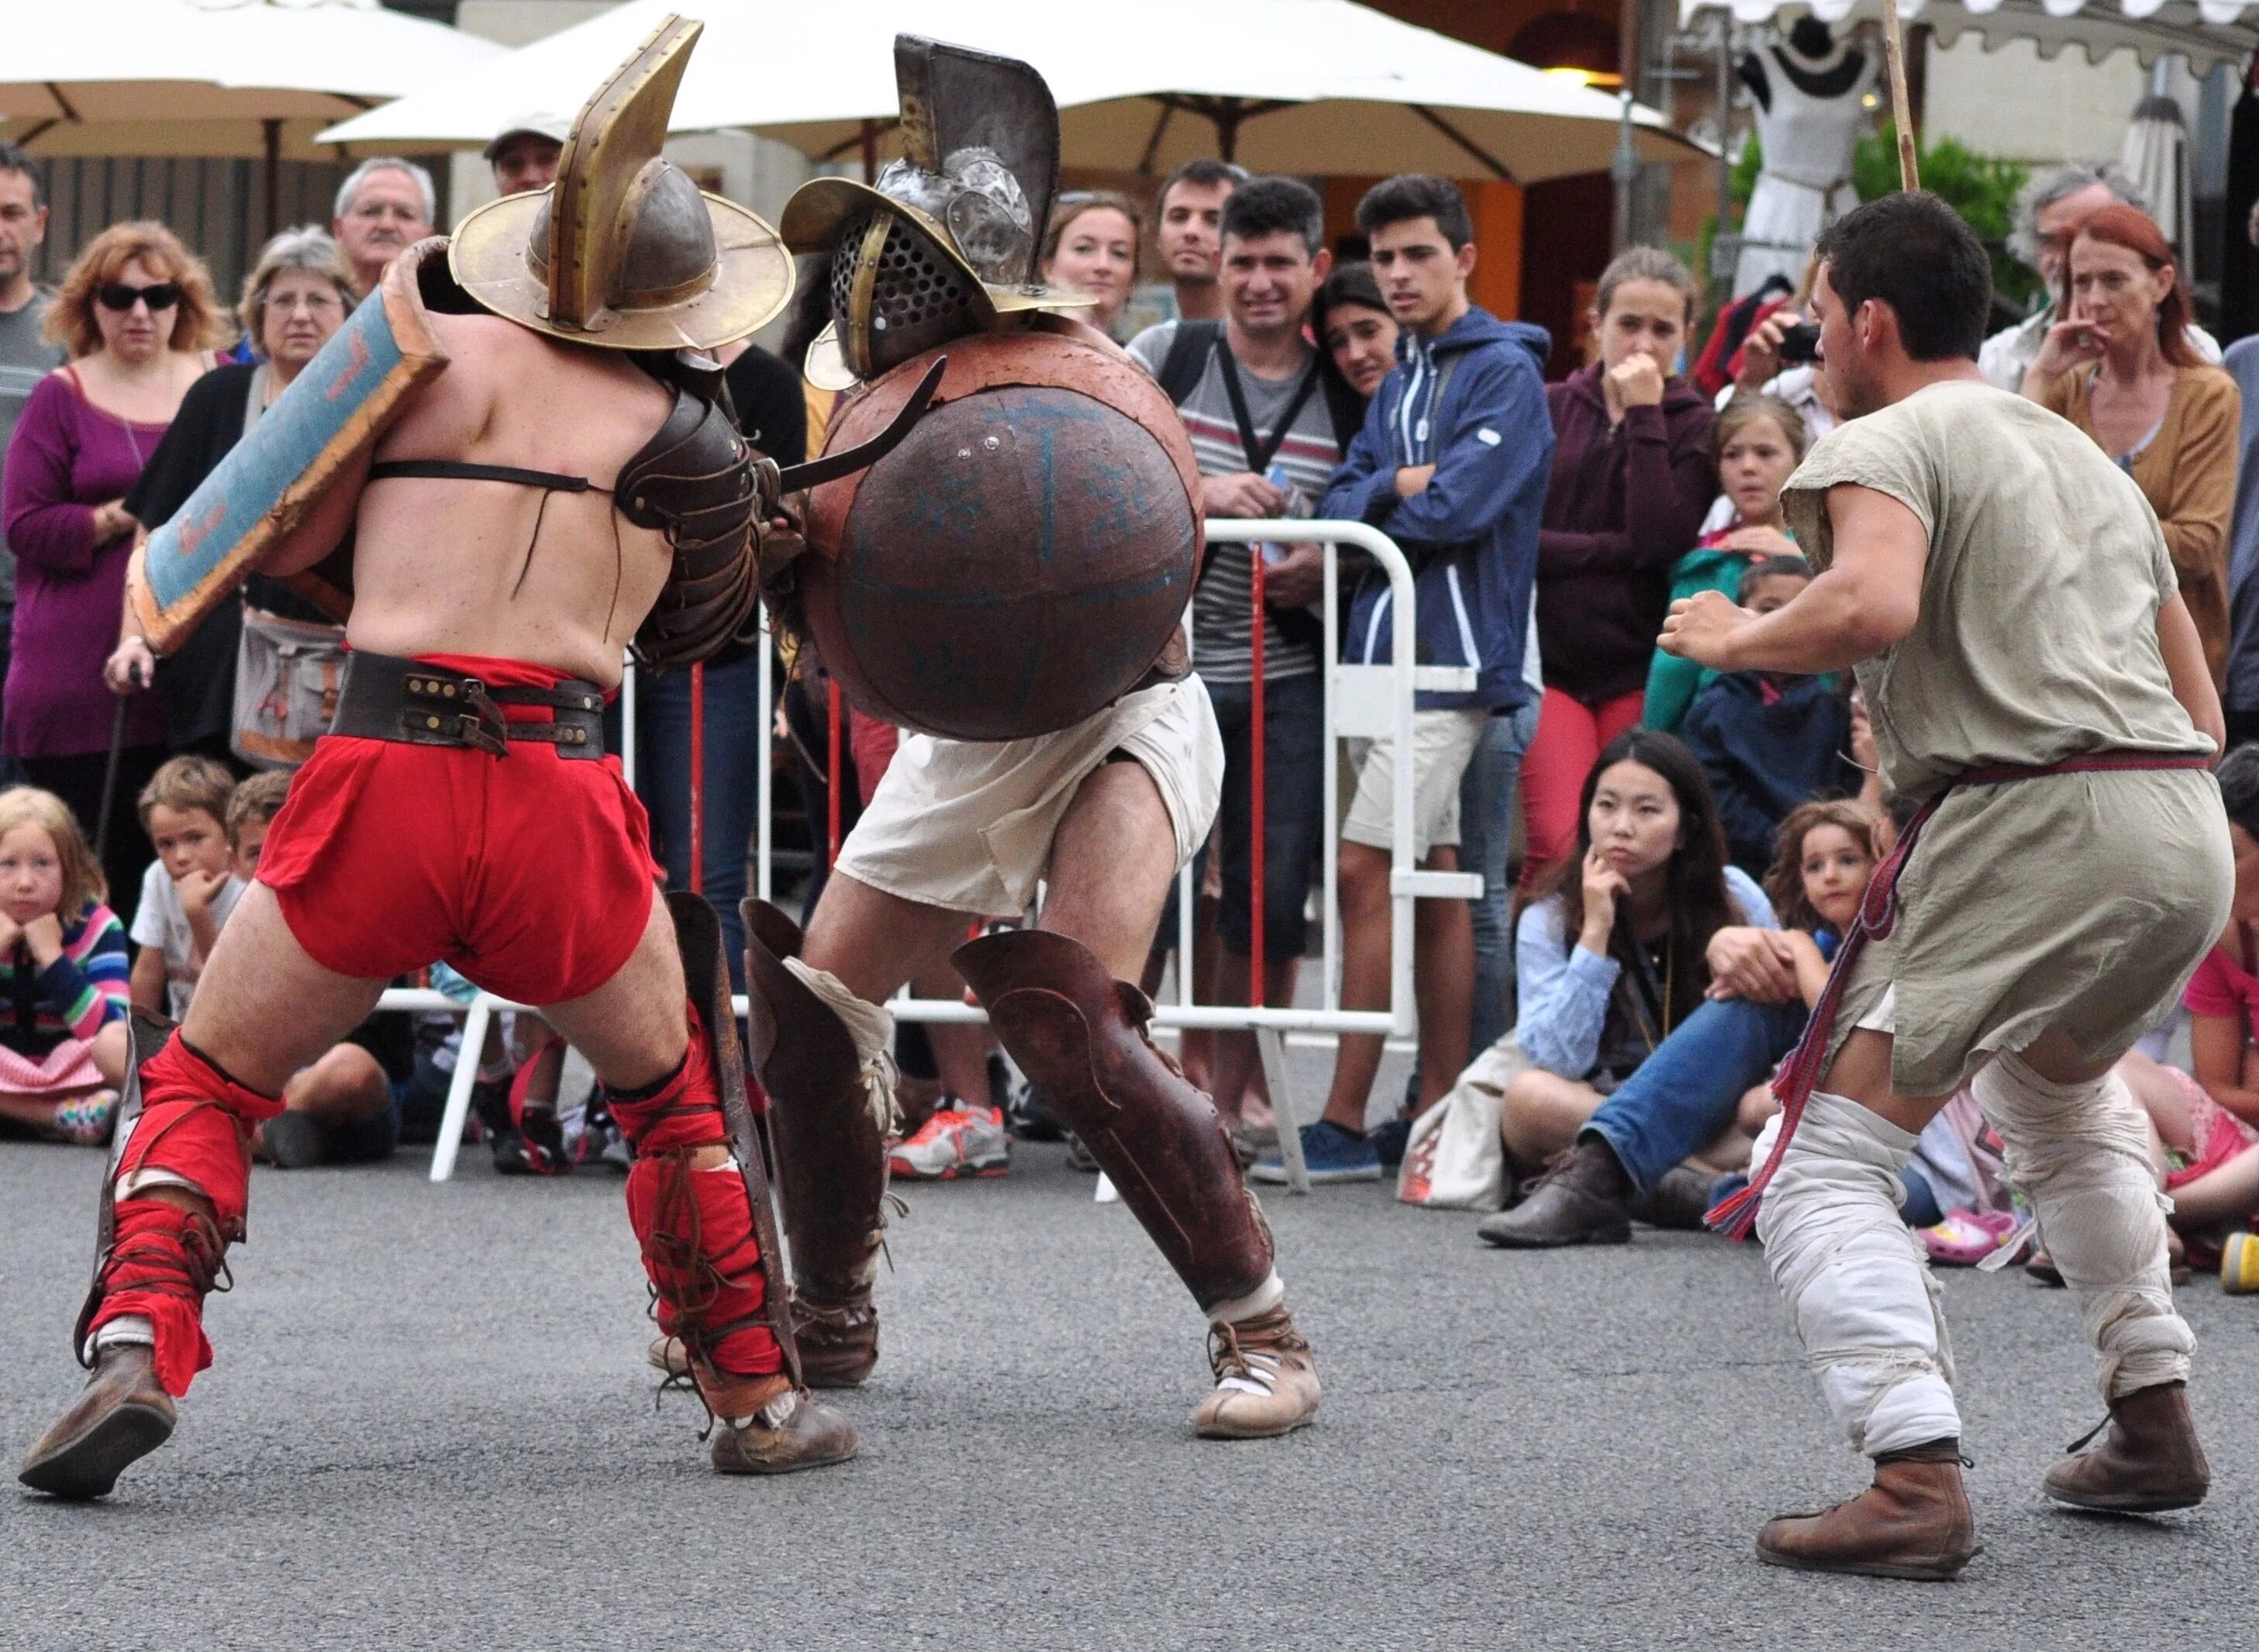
(1360, 701)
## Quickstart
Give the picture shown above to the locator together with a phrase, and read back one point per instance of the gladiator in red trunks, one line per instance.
(536, 462)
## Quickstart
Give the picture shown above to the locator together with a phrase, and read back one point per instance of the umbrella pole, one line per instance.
(1901, 108)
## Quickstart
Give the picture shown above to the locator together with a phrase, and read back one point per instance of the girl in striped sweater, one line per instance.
(63, 976)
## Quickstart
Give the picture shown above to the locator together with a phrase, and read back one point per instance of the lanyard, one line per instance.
(1259, 455)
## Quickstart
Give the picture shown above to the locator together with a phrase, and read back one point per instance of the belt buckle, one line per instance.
(481, 723)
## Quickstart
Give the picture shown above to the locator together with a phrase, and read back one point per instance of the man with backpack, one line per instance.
(1269, 418)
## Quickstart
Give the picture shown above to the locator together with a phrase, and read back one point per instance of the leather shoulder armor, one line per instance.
(698, 483)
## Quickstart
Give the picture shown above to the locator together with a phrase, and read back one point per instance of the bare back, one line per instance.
(458, 566)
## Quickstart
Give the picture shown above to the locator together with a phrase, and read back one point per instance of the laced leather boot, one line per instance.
(1582, 1201)
(2149, 1460)
(123, 1413)
(838, 1341)
(1265, 1383)
(1913, 1521)
(785, 1432)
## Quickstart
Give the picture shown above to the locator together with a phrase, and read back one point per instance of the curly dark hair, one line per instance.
(1783, 879)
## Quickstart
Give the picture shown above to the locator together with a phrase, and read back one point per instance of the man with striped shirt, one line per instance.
(1268, 418)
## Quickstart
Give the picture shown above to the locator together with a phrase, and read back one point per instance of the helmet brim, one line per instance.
(753, 280)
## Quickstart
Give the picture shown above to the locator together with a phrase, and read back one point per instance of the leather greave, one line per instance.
(830, 1152)
(1079, 1036)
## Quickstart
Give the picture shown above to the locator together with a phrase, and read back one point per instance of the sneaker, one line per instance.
(1031, 1117)
(958, 1140)
(293, 1141)
(1080, 1157)
(1388, 1140)
(1333, 1155)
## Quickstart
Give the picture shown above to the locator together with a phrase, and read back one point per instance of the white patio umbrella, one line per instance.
(2206, 32)
(2156, 157)
(1312, 86)
(210, 77)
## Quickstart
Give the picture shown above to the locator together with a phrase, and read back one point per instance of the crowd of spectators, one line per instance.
(1667, 857)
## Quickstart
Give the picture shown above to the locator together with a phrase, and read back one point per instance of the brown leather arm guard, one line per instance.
(698, 483)
(831, 1151)
(1079, 1036)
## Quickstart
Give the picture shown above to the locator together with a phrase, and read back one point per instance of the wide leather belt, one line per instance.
(387, 698)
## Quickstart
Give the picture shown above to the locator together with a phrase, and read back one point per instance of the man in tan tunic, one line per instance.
(2005, 597)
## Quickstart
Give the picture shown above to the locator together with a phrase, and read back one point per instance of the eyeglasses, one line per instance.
(157, 295)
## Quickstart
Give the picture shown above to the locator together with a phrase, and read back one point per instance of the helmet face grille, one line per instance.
(919, 299)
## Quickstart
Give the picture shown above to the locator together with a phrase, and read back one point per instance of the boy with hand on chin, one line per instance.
(190, 888)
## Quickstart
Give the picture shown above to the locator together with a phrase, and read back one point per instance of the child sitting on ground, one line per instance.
(1769, 742)
(341, 1109)
(190, 888)
(62, 969)
(1956, 1190)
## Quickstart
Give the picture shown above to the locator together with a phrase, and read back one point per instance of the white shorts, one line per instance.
(968, 825)
(1443, 742)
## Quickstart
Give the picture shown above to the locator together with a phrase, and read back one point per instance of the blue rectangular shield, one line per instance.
(333, 412)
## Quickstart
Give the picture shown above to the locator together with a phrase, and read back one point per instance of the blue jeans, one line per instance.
(1487, 800)
(1685, 1093)
(737, 746)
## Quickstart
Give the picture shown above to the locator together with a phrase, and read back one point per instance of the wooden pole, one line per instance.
(1901, 105)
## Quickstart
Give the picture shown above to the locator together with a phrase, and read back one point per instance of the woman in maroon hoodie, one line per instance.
(1630, 483)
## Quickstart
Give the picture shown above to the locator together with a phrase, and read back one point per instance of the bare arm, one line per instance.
(327, 521)
(1867, 600)
(2216, 1048)
(146, 983)
(2185, 664)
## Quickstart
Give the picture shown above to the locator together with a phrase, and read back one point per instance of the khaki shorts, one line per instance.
(1441, 744)
(968, 825)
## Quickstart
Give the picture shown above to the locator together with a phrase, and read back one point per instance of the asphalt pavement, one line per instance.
(430, 1426)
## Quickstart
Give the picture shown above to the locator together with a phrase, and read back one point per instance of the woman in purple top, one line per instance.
(137, 315)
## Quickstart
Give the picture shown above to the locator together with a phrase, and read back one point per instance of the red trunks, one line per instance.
(532, 874)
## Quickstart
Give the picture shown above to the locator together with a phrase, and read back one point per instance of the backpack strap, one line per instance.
(1188, 359)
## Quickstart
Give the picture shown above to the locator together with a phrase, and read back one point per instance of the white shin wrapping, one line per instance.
(1856, 1282)
(2080, 1153)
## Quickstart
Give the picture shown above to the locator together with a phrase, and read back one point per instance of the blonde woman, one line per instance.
(136, 313)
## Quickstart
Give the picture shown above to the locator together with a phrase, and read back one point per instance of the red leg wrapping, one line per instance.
(196, 1123)
(695, 1226)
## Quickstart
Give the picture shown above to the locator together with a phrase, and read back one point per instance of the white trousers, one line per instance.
(1856, 1280)
(2080, 1153)
(1858, 1283)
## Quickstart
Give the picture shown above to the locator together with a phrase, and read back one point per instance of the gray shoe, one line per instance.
(1679, 1200)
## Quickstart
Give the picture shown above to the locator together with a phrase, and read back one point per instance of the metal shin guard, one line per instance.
(830, 1152)
(706, 976)
(1079, 1036)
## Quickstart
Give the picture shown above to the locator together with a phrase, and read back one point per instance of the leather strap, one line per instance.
(462, 470)
(383, 697)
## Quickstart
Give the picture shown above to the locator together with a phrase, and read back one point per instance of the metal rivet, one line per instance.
(992, 443)
(449, 691)
(431, 722)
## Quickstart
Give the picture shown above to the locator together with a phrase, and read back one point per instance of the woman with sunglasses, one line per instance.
(137, 315)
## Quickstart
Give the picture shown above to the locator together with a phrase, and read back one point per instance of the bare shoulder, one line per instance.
(485, 342)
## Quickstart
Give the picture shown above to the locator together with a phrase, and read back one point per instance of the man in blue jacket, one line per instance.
(1451, 464)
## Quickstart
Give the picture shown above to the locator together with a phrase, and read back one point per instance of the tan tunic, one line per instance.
(2080, 902)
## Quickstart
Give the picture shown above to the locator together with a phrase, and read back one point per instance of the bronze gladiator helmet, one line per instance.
(946, 243)
(624, 251)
